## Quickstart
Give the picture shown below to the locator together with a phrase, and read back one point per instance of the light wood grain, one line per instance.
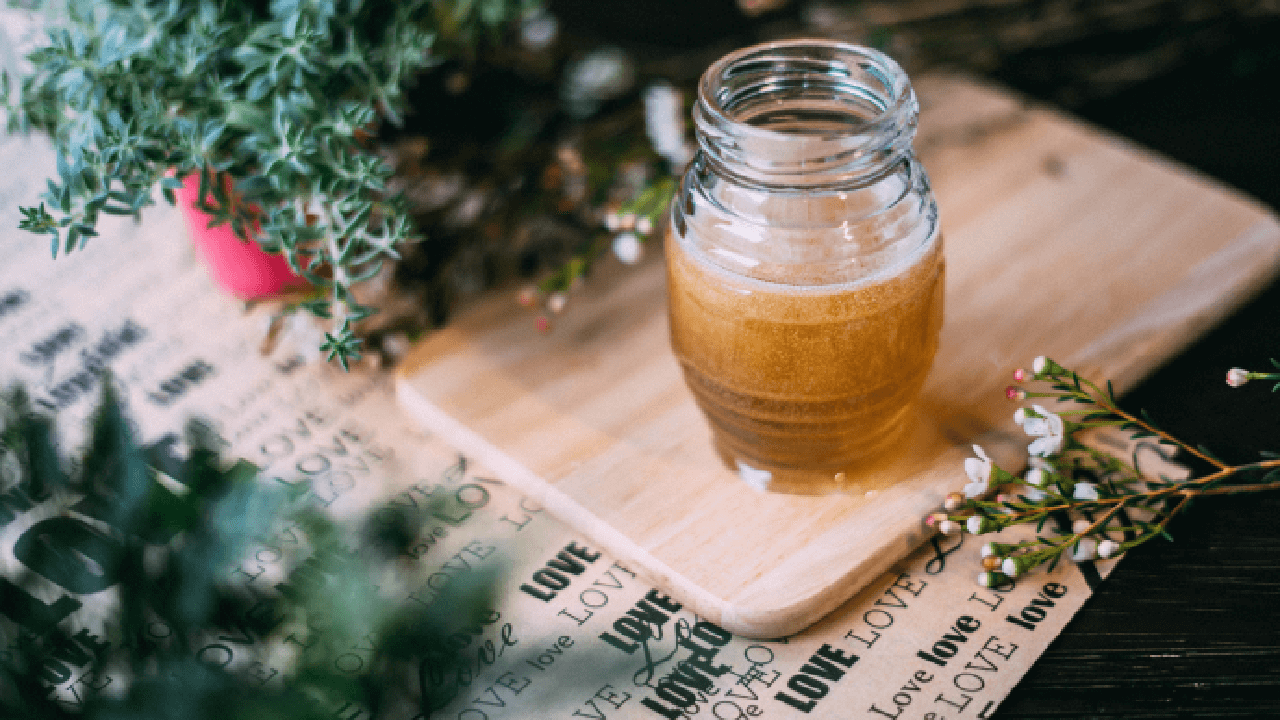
(1059, 240)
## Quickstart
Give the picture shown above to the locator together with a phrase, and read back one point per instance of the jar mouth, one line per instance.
(806, 112)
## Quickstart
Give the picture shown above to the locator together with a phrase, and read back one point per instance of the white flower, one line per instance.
(1086, 549)
(1034, 494)
(1048, 431)
(627, 247)
(974, 524)
(1040, 364)
(1020, 416)
(1085, 491)
(1108, 548)
(988, 550)
(556, 302)
(979, 470)
(1036, 476)
(539, 31)
(664, 123)
(1009, 567)
(1080, 526)
(1237, 377)
(949, 527)
(644, 225)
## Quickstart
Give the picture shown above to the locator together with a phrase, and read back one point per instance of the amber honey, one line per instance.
(804, 377)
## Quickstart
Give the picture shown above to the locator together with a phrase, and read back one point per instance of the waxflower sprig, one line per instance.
(1101, 505)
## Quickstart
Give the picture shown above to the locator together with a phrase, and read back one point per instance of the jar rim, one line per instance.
(809, 112)
(900, 99)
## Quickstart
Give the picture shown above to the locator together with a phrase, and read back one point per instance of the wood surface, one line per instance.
(1060, 240)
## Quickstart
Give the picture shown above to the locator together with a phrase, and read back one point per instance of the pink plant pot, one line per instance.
(238, 266)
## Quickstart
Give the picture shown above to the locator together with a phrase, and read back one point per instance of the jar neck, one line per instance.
(805, 114)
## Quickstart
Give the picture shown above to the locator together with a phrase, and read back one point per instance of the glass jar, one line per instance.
(804, 260)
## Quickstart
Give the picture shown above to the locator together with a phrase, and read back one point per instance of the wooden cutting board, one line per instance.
(1060, 240)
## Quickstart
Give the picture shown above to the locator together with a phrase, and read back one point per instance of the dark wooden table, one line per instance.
(1190, 628)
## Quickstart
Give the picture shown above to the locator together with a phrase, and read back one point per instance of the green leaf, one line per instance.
(1207, 452)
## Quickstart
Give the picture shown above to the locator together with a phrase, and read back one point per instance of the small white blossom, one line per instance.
(1048, 431)
(1020, 416)
(1009, 567)
(1040, 364)
(974, 524)
(1237, 377)
(979, 470)
(1108, 548)
(664, 123)
(627, 247)
(949, 527)
(556, 302)
(644, 225)
(988, 550)
(1036, 477)
(1034, 494)
(539, 31)
(1081, 525)
(1085, 491)
(1086, 549)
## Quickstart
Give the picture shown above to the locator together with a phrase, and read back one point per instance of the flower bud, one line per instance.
(949, 527)
(627, 247)
(992, 562)
(1015, 393)
(1041, 365)
(1086, 549)
(1036, 477)
(556, 302)
(1020, 375)
(1085, 491)
(1081, 526)
(1108, 549)
(979, 525)
(1016, 565)
(935, 519)
(1237, 377)
(991, 579)
(953, 501)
